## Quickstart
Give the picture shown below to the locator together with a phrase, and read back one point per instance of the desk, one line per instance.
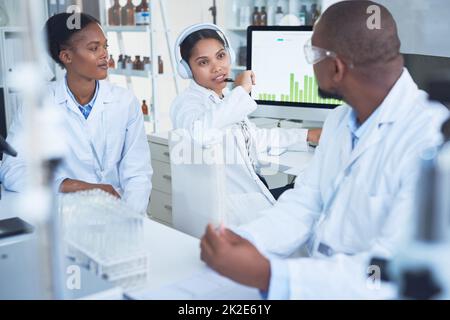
(291, 162)
(174, 256)
(7, 204)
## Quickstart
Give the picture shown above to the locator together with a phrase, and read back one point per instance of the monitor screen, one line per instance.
(283, 77)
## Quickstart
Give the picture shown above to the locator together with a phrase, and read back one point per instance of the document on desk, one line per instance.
(204, 285)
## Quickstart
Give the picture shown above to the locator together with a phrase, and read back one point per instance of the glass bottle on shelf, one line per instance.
(160, 65)
(256, 20)
(144, 108)
(242, 54)
(142, 16)
(111, 62)
(114, 14)
(235, 12)
(120, 61)
(279, 15)
(270, 15)
(244, 17)
(315, 14)
(303, 15)
(128, 12)
(4, 19)
(147, 64)
(128, 63)
(138, 64)
(263, 17)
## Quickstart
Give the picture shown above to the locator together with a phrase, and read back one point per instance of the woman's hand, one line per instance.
(246, 80)
(314, 135)
(70, 185)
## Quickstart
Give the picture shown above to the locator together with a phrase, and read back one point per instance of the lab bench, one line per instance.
(160, 207)
(288, 165)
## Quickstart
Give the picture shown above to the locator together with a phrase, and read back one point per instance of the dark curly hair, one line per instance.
(59, 34)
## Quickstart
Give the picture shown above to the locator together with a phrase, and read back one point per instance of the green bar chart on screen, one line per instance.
(309, 93)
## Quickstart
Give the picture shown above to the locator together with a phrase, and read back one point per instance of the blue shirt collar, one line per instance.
(358, 130)
(91, 103)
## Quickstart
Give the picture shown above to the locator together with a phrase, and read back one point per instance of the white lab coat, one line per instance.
(116, 129)
(373, 190)
(203, 113)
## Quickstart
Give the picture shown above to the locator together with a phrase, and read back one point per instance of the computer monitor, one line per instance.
(286, 87)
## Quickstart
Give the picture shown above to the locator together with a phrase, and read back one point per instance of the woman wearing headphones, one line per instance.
(205, 56)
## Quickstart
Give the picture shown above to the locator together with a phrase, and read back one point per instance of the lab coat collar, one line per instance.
(396, 104)
(104, 96)
(207, 92)
(399, 99)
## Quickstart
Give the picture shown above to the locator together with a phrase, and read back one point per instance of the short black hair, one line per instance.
(59, 34)
(189, 43)
(344, 27)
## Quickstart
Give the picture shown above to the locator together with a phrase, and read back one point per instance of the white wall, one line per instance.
(423, 24)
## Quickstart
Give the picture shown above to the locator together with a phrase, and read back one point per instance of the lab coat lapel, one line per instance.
(62, 98)
(97, 119)
(374, 136)
(243, 150)
(399, 99)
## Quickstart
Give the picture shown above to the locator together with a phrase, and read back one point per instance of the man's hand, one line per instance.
(235, 257)
(314, 135)
(70, 185)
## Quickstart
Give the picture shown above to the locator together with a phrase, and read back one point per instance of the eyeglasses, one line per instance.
(315, 54)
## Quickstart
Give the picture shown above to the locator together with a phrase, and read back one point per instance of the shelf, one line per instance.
(12, 29)
(130, 73)
(126, 28)
(238, 29)
(137, 73)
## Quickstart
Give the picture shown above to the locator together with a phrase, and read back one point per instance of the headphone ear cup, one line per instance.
(184, 70)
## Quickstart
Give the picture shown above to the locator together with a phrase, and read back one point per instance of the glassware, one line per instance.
(114, 14)
(111, 62)
(160, 65)
(263, 17)
(142, 16)
(138, 64)
(120, 62)
(303, 15)
(128, 12)
(102, 233)
(128, 63)
(144, 108)
(256, 20)
(4, 18)
(279, 15)
(315, 14)
(147, 64)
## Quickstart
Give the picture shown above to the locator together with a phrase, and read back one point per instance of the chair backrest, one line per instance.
(198, 184)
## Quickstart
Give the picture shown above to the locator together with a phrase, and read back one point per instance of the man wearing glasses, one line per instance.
(357, 198)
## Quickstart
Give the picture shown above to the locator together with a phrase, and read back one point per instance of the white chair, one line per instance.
(198, 184)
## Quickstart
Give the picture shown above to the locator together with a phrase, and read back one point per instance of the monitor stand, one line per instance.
(312, 124)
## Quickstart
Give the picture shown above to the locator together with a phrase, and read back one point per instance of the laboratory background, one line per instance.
(93, 245)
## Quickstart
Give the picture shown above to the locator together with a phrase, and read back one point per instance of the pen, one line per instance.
(228, 80)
